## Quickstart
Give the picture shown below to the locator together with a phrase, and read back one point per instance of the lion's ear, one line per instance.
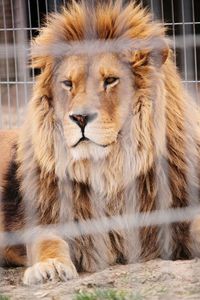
(159, 53)
(153, 52)
(37, 58)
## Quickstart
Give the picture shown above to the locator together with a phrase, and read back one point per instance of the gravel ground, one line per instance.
(156, 279)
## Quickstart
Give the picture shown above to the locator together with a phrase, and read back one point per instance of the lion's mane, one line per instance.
(155, 177)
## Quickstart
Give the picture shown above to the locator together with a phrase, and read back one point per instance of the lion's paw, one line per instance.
(51, 269)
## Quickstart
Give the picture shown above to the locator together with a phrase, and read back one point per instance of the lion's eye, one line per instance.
(110, 81)
(67, 84)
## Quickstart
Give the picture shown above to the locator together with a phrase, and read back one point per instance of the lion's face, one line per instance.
(93, 101)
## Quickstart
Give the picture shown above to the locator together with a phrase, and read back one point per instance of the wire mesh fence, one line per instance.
(19, 24)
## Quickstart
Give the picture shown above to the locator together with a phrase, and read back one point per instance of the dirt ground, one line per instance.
(152, 280)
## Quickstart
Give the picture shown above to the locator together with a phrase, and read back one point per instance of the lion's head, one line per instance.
(93, 100)
(105, 77)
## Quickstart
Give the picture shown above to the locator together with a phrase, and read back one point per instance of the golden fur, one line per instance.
(7, 138)
(143, 142)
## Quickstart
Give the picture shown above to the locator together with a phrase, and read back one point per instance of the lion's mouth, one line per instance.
(84, 139)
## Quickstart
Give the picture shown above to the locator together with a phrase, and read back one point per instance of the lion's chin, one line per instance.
(89, 150)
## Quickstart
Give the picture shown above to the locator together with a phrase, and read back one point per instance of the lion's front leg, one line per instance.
(50, 259)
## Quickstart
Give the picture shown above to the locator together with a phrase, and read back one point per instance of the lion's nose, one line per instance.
(82, 120)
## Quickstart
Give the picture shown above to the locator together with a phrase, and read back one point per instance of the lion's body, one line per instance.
(137, 160)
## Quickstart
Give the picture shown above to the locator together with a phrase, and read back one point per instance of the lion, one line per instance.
(110, 133)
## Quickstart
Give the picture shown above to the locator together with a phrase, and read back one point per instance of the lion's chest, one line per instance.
(105, 240)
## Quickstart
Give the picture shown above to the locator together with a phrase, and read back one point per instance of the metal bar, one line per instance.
(38, 13)
(195, 50)
(16, 82)
(15, 64)
(55, 6)
(173, 29)
(191, 81)
(19, 28)
(162, 11)
(46, 8)
(152, 7)
(31, 28)
(184, 43)
(180, 23)
(37, 28)
(7, 64)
